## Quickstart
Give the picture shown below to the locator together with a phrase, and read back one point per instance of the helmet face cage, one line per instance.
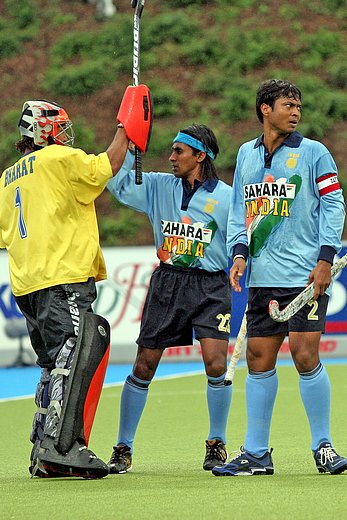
(62, 132)
(43, 119)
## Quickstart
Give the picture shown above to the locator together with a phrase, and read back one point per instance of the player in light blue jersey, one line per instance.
(190, 290)
(286, 220)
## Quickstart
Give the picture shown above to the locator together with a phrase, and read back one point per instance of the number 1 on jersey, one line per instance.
(21, 224)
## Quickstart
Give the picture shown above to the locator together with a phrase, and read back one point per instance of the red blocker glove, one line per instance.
(135, 114)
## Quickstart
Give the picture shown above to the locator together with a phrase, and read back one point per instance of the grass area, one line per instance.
(167, 481)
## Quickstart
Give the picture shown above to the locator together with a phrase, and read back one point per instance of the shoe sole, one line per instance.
(251, 473)
(112, 472)
(41, 474)
(337, 472)
(38, 471)
(210, 468)
(70, 471)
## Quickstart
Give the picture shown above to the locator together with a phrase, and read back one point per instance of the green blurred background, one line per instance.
(203, 61)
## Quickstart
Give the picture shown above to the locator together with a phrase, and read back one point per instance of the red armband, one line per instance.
(135, 114)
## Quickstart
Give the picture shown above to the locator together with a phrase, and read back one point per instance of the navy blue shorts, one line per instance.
(182, 300)
(311, 318)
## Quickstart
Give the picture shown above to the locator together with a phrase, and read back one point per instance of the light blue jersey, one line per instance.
(188, 232)
(287, 208)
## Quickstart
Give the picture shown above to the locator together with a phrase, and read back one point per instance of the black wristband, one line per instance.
(240, 249)
(327, 253)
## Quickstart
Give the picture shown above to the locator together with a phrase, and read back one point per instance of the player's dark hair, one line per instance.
(204, 134)
(26, 143)
(273, 89)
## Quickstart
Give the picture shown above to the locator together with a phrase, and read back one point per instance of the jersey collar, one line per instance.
(209, 185)
(292, 140)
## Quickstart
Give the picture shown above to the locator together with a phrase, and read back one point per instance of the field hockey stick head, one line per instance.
(274, 310)
(293, 307)
(304, 297)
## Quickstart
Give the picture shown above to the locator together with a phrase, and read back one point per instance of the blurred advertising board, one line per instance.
(121, 298)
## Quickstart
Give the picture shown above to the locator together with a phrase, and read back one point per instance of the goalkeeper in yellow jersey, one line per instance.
(48, 226)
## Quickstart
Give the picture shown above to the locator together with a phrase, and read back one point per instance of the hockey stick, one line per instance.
(304, 297)
(138, 5)
(229, 376)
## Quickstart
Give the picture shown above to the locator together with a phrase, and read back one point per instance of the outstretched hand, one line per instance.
(236, 271)
(321, 277)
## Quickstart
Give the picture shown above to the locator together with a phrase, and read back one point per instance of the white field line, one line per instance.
(110, 385)
(241, 364)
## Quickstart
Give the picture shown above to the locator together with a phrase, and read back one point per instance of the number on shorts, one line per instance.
(21, 224)
(224, 325)
(312, 314)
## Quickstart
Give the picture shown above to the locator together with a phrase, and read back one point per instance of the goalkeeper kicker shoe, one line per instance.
(216, 454)
(246, 464)
(79, 461)
(35, 468)
(328, 461)
(121, 460)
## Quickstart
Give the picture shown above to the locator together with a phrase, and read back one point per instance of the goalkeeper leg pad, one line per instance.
(85, 382)
(42, 402)
(135, 113)
(75, 388)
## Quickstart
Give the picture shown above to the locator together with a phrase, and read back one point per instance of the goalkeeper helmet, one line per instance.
(42, 120)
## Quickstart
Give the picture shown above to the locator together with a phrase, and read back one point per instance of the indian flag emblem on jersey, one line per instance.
(267, 204)
(184, 243)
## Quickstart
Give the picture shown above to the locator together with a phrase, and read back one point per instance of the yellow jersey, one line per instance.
(47, 217)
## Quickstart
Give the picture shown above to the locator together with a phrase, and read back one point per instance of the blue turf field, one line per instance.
(22, 381)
